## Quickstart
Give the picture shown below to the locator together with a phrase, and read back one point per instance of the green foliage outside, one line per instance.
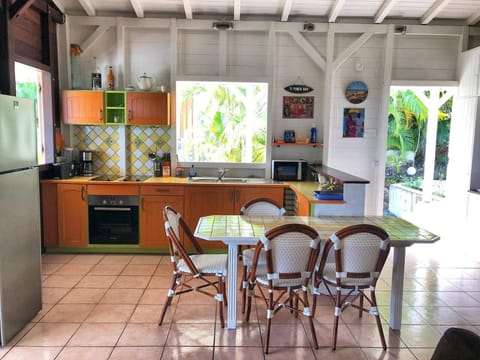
(27, 90)
(227, 122)
(407, 125)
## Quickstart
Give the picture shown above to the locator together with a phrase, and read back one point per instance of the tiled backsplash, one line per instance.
(121, 147)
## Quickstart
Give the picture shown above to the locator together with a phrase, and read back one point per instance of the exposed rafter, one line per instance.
(433, 11)
(474, 18)
(60, 5)
(336, 8)
(99, 31)
(19, 7)
(188, 9)
(236, 9)
(287, 7)
(88, 7)
(138, 8)
(384, 10)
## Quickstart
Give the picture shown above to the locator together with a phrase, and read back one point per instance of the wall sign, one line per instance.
(297, 107)
(353, 122)
(356, 92)
(298, 89)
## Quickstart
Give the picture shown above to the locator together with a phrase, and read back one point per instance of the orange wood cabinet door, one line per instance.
(82, 107)
(72, 215)
(243, 194)
(152, 202)
(49, 215)
(148, 108)
(207, 200)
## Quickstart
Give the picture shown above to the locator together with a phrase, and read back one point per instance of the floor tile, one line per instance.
(49, 334)
(97, 334)
(85, 353)
(187, 353)
(112, 313)
(122, 296)
(107, 269)
(146, 259)
(131, 282)
(113, 259)
(62, 281)
(139, 269)
(53, 295)
(144, 335)
(64, 313)
(190, 335)
(137, 352)
(83, 296)
(31, 352)
(96, 281)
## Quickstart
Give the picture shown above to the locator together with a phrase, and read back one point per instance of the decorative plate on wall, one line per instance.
(356, 92)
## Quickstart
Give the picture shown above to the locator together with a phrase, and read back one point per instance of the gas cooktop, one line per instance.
(135, 178)
(105, 178)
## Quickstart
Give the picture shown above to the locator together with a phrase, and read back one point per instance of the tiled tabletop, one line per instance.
(251, 228)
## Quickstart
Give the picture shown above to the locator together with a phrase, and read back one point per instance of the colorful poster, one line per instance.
(298, 107)
(353, 122)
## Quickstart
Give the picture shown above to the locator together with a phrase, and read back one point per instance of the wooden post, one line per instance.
(7, 64)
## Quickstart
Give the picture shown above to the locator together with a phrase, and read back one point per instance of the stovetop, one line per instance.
(135, 178)
(106, 178)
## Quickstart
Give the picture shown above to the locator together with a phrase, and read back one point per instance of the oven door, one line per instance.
(113, 225)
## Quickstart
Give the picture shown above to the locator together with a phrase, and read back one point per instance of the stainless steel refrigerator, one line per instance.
(20, 235)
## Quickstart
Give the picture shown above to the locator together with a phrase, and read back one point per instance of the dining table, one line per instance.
(234, 230)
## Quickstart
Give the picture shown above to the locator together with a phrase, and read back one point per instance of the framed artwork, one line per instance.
(298, 107)
(353, 122)
(356, 92)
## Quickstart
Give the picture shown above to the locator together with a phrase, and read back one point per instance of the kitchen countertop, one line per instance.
(301, 188)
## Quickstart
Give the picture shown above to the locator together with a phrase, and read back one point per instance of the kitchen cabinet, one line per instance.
(48, 193)
(72, 215)
(115, 107)
(217, 200)
(153, 200)
(148, 108)
(82, 107)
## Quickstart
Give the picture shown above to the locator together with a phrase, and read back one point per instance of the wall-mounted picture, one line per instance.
(356, 92)
(353, 122)
(298, 107)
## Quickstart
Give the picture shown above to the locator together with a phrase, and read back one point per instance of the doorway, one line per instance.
(416, 162)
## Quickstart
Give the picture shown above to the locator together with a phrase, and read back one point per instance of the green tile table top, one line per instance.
(250, 228)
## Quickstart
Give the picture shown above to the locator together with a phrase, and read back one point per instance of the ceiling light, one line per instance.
(308, 27)
(223, 25)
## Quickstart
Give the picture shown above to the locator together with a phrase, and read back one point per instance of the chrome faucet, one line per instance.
(221, 173)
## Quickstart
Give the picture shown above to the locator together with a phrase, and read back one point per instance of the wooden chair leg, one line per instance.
(269, 323)
(168, 300)
(360, 310)
(244, 288)
(338, 306)
(310, 320)
(377, 319)
(249, 302)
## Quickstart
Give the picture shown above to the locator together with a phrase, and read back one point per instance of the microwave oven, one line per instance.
(64, 170)
(289, 170)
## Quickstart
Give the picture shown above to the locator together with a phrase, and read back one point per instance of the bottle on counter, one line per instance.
(313, 135)
(192, 172)
(166, 167)
(110, 79)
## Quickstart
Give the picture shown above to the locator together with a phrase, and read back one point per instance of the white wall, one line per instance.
(171, 49)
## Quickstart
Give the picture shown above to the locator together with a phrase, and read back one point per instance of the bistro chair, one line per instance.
(291, 251)
(259, 207)
(360, 254)
(197, 272)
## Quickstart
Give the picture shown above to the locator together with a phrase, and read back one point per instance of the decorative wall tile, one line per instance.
(106, 142)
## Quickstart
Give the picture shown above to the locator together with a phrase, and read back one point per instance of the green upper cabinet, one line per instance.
(115, 107)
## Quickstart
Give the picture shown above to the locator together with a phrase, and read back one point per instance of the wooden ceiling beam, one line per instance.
(188, 9)
(287, 7)
(336, 8)
(19, 7)
(88, 7)
(236, 9)
(433, 11)
(7, 49)
(137, 7)
(474, 18)
(384, 10)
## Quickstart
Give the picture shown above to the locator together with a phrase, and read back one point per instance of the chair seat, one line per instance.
(247, 257)
(262, 279)
(207, 263)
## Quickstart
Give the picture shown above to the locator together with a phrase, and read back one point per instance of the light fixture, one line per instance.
(402, 29)
(223, 25)
(308, 27)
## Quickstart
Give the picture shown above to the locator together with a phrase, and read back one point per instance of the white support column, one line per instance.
(328, 93)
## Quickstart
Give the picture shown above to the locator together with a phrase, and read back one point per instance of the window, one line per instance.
(222, 122)
(34, 84)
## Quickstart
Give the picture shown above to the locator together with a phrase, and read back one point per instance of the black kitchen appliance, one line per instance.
(86, 162)
(113, 219)
(65, 170)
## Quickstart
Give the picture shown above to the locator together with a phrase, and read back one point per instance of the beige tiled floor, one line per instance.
(107, 307)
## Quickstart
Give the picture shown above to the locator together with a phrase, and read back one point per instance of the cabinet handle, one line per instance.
(83, 193)
(101, 115)
(162, 190)
(142, 201)
(130, 114)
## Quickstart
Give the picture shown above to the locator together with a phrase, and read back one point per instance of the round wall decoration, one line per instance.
(356, 92)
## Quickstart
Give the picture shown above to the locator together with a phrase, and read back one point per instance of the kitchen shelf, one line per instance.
(115, 107)
(296, 144)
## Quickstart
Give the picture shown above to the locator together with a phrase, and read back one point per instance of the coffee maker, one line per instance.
(86, 162)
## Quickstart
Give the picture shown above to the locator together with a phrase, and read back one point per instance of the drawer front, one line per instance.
(161, 190)
(112, 189)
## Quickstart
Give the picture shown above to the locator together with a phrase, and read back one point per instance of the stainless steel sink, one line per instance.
(231, 180)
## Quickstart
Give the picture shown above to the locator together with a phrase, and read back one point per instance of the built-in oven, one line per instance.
(113, 219)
